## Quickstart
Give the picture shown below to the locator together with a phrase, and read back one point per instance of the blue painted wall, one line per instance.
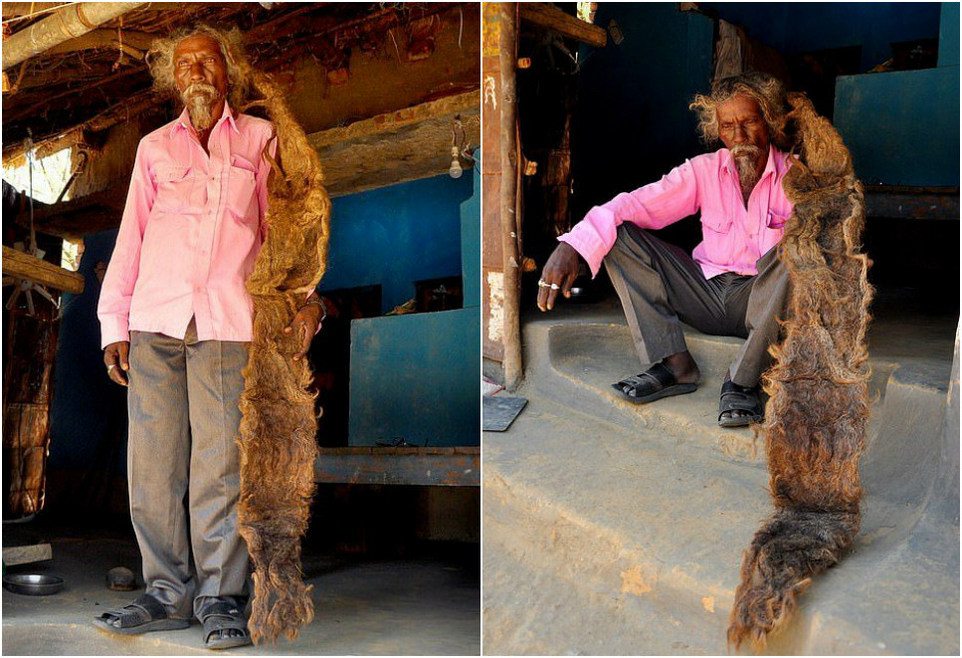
(417, 376)
(471, 240)
(394, 236)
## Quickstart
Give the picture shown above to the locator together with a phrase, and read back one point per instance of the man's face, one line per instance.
(201, 75)
(742, 126)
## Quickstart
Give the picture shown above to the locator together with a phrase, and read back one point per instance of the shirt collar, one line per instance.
(183, 121)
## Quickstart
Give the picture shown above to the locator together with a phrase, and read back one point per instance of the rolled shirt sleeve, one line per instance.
(653, 206)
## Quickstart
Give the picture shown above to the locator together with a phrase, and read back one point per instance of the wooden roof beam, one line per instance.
(62, 25)
(395, 147)
(545, 15)
(24, 266)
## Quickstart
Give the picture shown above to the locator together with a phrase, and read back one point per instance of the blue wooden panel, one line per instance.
(416, 377)
(949, 35)
(471, 240)
(901, 127)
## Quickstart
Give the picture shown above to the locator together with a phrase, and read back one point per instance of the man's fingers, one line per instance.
(569, 281)
(124, 351)
(552, 295)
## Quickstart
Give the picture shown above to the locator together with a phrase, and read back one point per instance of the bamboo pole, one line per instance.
(64, 24)
(510, 226)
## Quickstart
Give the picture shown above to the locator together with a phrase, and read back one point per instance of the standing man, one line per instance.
(732, 284)
(176, 320)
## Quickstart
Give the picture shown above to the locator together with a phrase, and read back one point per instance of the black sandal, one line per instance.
(655, 383)
(143, 615)
(223, 616)
(739, 398)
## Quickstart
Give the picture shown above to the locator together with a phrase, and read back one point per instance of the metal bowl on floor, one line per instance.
(33, 584)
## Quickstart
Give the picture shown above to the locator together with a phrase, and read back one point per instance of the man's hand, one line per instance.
(306, 323)
(115, 358)
(559, 273)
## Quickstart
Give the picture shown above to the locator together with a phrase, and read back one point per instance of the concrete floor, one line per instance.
(427, 606)
(612, 528)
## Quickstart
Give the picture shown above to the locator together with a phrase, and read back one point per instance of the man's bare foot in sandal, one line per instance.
(674, 375)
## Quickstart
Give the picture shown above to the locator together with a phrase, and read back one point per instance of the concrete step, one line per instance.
(615, 528)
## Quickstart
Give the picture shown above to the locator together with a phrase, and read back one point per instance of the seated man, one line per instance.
(732, 284)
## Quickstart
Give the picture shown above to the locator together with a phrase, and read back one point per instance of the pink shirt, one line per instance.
(733, 237)
(190, 232)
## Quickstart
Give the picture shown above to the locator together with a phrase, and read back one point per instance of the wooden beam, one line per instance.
(510, 184)
(72, 21)
(444, 467)
(545, 15)
(105, 38)
(24, 266)
(395, 147)
(393, 121)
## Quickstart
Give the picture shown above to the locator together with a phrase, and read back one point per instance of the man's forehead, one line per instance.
(197, 43)
(739, 102)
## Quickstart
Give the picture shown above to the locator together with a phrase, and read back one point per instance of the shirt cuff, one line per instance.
(113, 330)
(588, 247)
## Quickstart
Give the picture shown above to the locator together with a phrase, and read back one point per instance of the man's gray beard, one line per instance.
(200, 99)
(746, 162)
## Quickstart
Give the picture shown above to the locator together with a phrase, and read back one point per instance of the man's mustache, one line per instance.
(200, 89)
(745, 151)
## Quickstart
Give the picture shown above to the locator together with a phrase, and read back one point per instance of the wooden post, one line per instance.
(510, 224)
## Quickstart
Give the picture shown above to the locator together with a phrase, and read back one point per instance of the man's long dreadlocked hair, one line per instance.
(278, 444)
(818, 411)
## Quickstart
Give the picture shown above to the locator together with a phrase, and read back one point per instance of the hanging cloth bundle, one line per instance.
(818, 412)
(277, 434)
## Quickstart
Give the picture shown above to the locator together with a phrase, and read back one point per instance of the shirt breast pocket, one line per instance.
(720, 223)
(175, 188)
(242, 189)
(776, 219)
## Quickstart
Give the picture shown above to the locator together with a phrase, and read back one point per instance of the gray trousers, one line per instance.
(659, 284)
(183, 468)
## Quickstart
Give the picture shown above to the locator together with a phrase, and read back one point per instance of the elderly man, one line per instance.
(732, 284)
(176, 321)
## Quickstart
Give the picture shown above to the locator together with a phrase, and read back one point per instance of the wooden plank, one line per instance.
(24, 266)
(545, 15)
(445, 467)
(14, 555)
(391, 122)
(900, 202)
(396, 147)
